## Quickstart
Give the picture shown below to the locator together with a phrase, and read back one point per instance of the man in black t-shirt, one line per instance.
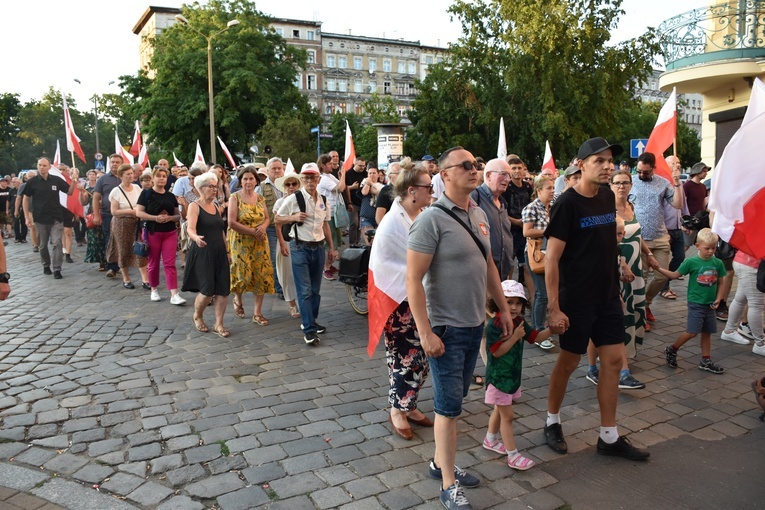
(353, 200)
(582, 278)
(47, 212)
(518, 195)
(5, 209)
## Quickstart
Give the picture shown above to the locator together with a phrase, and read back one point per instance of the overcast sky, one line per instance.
(52, 42)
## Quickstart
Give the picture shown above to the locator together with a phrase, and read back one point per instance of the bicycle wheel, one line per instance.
(357, 296)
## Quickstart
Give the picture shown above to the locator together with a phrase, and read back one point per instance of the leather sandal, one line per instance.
(259, 319)
(199, 324)
(238, 308)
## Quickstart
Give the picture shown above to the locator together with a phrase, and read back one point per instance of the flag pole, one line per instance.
(674, 147)
(73, 163)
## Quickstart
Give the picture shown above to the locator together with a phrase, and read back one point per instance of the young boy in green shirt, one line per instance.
(704, 295)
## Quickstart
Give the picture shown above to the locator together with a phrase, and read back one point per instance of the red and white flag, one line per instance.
(502, 144)
(143, 158)
(350, 150)
(229, 157)
(387, 272)
(199, 156)
(135, 147)
(71, 202)
(548, 162)
(57, 155)
(663, 135)
(738, 183)
(177, 161)
(119, 149)
(72, 141)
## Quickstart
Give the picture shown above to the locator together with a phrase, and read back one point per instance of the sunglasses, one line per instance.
(292, 183)
(466, 165)
(429, 186)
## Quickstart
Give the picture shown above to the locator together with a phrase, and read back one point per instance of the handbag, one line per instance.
(724, 250)
(140, 248)
(535, 256)
(90, 221)
(340, 214)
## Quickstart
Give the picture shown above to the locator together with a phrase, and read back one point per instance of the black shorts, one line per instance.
(603, 323)
(68, 219)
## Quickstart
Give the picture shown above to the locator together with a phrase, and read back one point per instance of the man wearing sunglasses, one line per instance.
(450, 324)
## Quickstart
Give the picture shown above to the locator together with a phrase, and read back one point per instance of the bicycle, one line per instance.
(354, 273)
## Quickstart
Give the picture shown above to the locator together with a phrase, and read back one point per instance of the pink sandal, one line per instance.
(519, 462)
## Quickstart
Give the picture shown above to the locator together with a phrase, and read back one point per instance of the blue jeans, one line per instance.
(273, 245)
(677, 249)
(539, 309)
(106, 226)
(452, 372)
(307, 269)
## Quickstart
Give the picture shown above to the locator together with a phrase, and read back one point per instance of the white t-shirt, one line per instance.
(438, 186)
(133, 195)
(328, 187)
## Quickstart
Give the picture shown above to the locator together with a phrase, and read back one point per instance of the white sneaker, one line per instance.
(745, 331)
(155, 295)
(176, 299)
(759, 349)
(734, 337)
(546, 345)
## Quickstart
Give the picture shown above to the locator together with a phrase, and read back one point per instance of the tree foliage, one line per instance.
(289, 136)
(546, 66)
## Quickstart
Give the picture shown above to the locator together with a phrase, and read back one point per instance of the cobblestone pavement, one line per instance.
(108, 400)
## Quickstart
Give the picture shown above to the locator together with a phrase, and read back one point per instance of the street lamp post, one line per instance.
(209, 39)
(95, 113)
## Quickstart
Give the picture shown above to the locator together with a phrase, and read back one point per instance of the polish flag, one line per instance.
(143, 157)
(57, 155)
(135, 148)
(119, 149)
(199, 156)
(549, 162)
(738, 182)
(387, 273)
(350, 150)
(663, 135)
(177, 161)
(72, 141)
(502, 144)
(229, 157)
(71, 202)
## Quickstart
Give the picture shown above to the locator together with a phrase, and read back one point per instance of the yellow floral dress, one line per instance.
(251, 269)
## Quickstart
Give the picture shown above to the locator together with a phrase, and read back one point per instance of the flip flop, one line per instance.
(199, 324)
(668, 294)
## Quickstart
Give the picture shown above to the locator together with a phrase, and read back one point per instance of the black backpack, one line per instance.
(287, 227)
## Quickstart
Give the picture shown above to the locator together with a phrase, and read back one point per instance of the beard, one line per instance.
(644, 177)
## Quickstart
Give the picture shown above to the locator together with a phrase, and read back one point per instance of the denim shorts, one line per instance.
(452, 372)
(701, 319)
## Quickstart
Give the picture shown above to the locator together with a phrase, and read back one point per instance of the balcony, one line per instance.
(713, 46)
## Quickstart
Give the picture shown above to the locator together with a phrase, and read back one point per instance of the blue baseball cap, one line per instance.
(428, 157)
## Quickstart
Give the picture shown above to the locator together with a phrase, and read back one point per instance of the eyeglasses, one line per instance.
(292, 183)
(429, 186)
(466, 165)
(621, 184)
(309, 177)
(502, 175)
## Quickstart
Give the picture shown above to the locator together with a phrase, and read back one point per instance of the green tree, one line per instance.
(289, 136)
(9, 113)
(253, 70)
(336, 127)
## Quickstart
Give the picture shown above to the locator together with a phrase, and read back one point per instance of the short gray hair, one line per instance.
(273, 160)
(199, 165)
(204, 179)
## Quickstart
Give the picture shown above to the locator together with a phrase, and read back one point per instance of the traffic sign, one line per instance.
(314, 130)
(326, 135)
(637, 147)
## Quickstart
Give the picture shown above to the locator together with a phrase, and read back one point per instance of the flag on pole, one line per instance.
(143, 157)
(70, 202)
(119, 149)
(57, 155)
(229, 157)
(738, 182)
(548, 162)
(72, 140)
(177, 161)
(502, 145)
(350, 150)
(135, 148)
(663, 135)
(289, 168)
(199, 156)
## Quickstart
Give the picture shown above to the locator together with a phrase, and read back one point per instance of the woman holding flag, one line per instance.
(389, 311)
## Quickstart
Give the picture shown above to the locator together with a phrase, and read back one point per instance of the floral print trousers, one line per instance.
(407, 364)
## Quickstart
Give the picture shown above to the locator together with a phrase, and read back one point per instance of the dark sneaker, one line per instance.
(319, 328)
(671, 355)
(464, 478)
(706, 364)
(453, 498)
(622, 448)
(630, 383)
(555, 439)
(311, 338)
(46, 270)
(68, 258)
(57, 275)
(592, 375)
(111, 273)
(722, 312)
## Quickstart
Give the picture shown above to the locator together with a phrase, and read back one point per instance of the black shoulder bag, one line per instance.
(477, 241)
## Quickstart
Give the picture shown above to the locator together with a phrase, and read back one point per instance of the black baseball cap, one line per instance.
(596, 146)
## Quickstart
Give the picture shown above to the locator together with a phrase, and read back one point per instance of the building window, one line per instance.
(310, 35)
(401, 110)
(341, 107)
(299, 81)
(279, 31)
(439, 60)
(411, 67)
(311, 80)
(386, 65)
(372, 65)
(296, 34)
(386, 87)
(428, 60)
(373, 86)
(311, 56)
(342, 85)
(330, 61)
(359, 110)
(401, 67)
(357, 85)
(357, 62)
(331, 84)
(330, 108)
(342, 62)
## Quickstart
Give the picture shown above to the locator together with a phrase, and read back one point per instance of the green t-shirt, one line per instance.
(702, 281)
(505, 372)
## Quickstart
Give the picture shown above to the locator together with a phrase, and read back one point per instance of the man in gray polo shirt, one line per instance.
(450, 324)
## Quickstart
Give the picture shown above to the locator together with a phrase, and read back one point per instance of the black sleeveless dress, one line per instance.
(207, 269)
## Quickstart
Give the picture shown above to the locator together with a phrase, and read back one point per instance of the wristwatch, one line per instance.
(4, 277)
